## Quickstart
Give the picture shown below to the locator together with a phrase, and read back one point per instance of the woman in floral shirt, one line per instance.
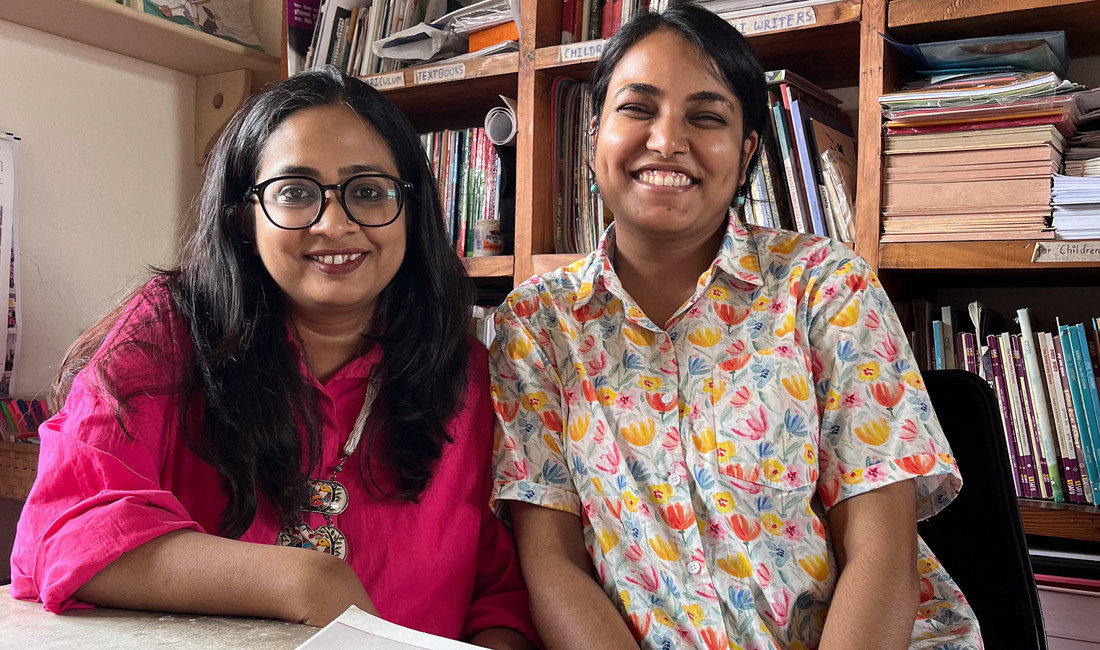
(714, 435)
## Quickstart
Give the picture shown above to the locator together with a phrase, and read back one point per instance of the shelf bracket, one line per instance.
(217, 98)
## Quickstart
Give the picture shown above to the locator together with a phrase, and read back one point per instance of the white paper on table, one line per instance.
(358, 629)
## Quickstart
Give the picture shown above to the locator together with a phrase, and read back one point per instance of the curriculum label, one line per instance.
(386, 81)
(775, 21)
(580, 51)
(454, 72)
(1066, 251)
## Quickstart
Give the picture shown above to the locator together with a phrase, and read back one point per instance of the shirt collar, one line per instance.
(737, 257)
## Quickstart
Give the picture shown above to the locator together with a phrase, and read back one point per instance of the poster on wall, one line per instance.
(228, 19)
(9, 250)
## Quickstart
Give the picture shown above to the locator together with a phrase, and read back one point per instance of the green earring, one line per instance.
(594, 188)
(738, 201)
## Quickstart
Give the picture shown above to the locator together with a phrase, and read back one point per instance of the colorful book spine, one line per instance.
(1039, 402)
(1000, 386)
(1088, 442)
(938, 352)
(1090, 395)
(1067, 453)
(1016, 411)
(801, 218)
(1038, 454)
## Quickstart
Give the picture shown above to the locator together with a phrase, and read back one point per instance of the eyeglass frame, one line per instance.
(404, 189)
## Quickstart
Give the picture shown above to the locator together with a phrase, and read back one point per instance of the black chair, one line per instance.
(978, 537)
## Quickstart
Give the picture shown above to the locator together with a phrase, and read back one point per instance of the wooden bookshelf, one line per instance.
(497, 266)
(942, 20)
(1066, 520)
(133, 33)
(467, 95)
(969, 255)
(551, 261)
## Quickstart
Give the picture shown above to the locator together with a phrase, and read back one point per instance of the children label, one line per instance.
(386, 81)
(775, 21)
(1066, 251)
(580, 51)
(440, 73)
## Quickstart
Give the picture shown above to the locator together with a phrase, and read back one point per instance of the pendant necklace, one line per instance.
(329, 497)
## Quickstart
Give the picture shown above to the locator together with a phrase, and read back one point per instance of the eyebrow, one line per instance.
(701, 97)
(310, 171)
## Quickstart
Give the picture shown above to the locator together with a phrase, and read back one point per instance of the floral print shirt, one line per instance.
(703, 457)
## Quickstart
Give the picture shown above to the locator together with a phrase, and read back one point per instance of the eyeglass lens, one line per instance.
(298, 202)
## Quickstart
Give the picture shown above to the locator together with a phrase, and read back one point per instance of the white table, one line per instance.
(27, 625)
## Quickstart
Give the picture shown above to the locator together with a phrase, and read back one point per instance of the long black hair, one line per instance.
(244, 367)
(718, 42)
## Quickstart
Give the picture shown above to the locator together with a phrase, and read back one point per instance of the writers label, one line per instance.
(775, 21)
(1066, 251)
(386, 81)
(580, 51)
(453, 72)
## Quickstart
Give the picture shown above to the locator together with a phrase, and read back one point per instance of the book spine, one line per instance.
(1019, 427)
(804, 161)
(1088, 445)
(801, 222)
(1090, 396)
(1000, 386)
(1038, 454)
(970, 352)
(1039, 401)
(1084, 460)
(1058, 416)
(937, 346)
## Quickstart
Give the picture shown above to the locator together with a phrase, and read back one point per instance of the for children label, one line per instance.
(1066, 251)
(386, 81)
(435, 75)
(775, 21)
(580, 51)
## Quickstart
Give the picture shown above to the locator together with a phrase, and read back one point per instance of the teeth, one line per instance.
(337, 259)
(665, 179)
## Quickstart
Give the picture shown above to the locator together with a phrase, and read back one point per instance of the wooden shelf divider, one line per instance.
(1068, 520)
(969, 255)
(496, 266)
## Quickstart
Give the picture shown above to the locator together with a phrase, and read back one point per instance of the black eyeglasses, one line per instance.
(296, 202)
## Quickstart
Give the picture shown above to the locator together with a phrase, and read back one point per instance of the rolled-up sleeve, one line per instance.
(529, 465)
(877, 426)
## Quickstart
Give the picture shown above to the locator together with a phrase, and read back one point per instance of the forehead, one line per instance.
(325, 138)
(666, 60)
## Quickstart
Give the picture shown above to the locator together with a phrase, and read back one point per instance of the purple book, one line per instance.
(1027, 404)
(1070, 461)
(998, 379)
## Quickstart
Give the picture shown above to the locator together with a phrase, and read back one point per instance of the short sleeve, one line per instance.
(877, 424)
(529, 465)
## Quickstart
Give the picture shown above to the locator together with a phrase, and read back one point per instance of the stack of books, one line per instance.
(1076, 195)
(972, 158)
(470, 176)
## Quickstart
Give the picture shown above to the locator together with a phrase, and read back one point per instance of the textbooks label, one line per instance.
(454, 72)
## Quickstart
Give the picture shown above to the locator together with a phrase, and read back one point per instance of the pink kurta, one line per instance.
(445, 565)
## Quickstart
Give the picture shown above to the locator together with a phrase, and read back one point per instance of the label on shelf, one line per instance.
(1066, 251)
(386, 81)
(440, 73)
(775, 21)
(584, 51)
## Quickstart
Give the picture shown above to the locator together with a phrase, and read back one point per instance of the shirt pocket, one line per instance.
(764, 423)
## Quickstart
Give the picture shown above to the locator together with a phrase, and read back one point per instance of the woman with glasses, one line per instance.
(301, 382)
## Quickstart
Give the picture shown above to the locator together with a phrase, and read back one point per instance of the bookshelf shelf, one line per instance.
(142, 36)
(941, 20)
(968, 255)
(483, 80)
(826, 51)
(1068, 520)
(498, 266)
(547, 263)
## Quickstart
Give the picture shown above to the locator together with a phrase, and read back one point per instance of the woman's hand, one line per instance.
(325, 587)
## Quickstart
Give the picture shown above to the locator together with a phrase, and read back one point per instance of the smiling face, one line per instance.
(670, 151)
(334, 268)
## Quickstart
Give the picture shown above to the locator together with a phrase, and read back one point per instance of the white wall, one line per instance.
(105, 171)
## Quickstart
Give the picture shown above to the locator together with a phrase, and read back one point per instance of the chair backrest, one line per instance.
(978, 537)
